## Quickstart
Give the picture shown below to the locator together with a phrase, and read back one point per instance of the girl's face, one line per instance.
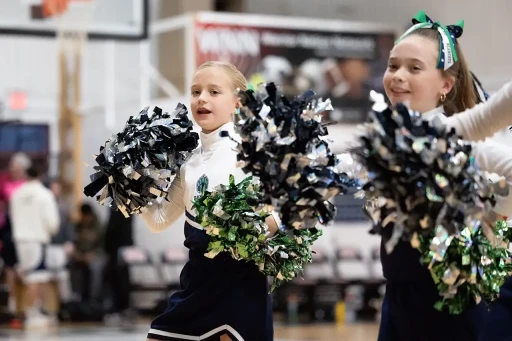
(412, 76)
(213, 99)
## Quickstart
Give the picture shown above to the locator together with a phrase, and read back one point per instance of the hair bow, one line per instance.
(449, 34)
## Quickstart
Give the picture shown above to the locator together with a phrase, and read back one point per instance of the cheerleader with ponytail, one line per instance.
(428, 71)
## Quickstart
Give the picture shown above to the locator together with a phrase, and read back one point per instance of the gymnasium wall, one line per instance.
(485, 24)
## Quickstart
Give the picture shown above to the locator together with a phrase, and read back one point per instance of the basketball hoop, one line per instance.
(73, 22)
(52, 8)
(72, 17)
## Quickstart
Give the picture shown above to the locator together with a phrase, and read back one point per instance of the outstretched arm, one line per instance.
(485, 119)
(496, 158)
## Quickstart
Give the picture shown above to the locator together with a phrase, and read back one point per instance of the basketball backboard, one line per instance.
(110, 20)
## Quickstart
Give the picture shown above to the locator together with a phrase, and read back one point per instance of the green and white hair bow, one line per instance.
(449, 35)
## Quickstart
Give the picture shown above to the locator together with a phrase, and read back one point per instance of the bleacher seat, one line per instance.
(172, 262)
(144, 274)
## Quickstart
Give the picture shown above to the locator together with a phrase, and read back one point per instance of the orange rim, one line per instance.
(53, 8)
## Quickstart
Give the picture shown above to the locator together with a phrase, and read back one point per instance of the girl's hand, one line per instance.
(489, 222)
(272, 225)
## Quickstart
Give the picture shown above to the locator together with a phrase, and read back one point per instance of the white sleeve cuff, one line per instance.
(277, 219)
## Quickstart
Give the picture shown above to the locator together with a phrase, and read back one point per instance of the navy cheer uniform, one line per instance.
(408, 312)
(220, 295)
(498, 326)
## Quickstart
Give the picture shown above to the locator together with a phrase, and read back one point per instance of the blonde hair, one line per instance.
(463, 94)
(237, 78)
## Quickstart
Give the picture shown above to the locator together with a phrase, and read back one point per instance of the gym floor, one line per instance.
(354, 332)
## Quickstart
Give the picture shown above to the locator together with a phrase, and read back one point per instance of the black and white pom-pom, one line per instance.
(136, 165)
(282, 143)
(424, 176)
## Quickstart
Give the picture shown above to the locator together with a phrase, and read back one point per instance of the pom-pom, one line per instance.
(235, 221)
(287, 253)
(136, 165)
(230, 220)
(502, 236)
(471, 267)
(283, 144)
(425, 185)
(424, 175)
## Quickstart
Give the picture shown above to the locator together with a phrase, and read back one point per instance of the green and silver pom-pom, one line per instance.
(287, 253)
(228, 216)
(232, 217)
(467, 267)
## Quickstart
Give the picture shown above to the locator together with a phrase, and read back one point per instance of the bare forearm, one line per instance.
(272, 225)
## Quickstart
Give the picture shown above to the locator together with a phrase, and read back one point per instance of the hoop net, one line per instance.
(72, 18)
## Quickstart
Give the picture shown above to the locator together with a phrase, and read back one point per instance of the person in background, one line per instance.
(35, 219)
(61, 249)
(118, 234)
(10, 181)
(87, 256)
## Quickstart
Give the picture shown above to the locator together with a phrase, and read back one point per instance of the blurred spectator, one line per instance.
(62, 248)
(88, 262)
(119, 233)
(35, 219)
(10, 181)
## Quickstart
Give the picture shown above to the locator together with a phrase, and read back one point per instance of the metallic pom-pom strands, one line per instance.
(427, 188)
(283, 144)
(234, 218)
(136, 165)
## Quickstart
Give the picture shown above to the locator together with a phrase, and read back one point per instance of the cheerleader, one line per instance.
(220, 298)
(424, 72)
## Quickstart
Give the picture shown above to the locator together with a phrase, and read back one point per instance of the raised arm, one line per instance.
(485, 119)
(496, 158)
(161, 215)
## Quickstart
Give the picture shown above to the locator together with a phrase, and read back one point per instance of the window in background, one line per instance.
(27, 138)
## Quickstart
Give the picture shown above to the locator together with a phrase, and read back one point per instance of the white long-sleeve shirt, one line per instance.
(485, 119)
(34, 213)
(480, 123)
(214, 160)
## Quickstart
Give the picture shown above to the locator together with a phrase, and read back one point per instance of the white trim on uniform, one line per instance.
(193, 223)
(199, 338)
